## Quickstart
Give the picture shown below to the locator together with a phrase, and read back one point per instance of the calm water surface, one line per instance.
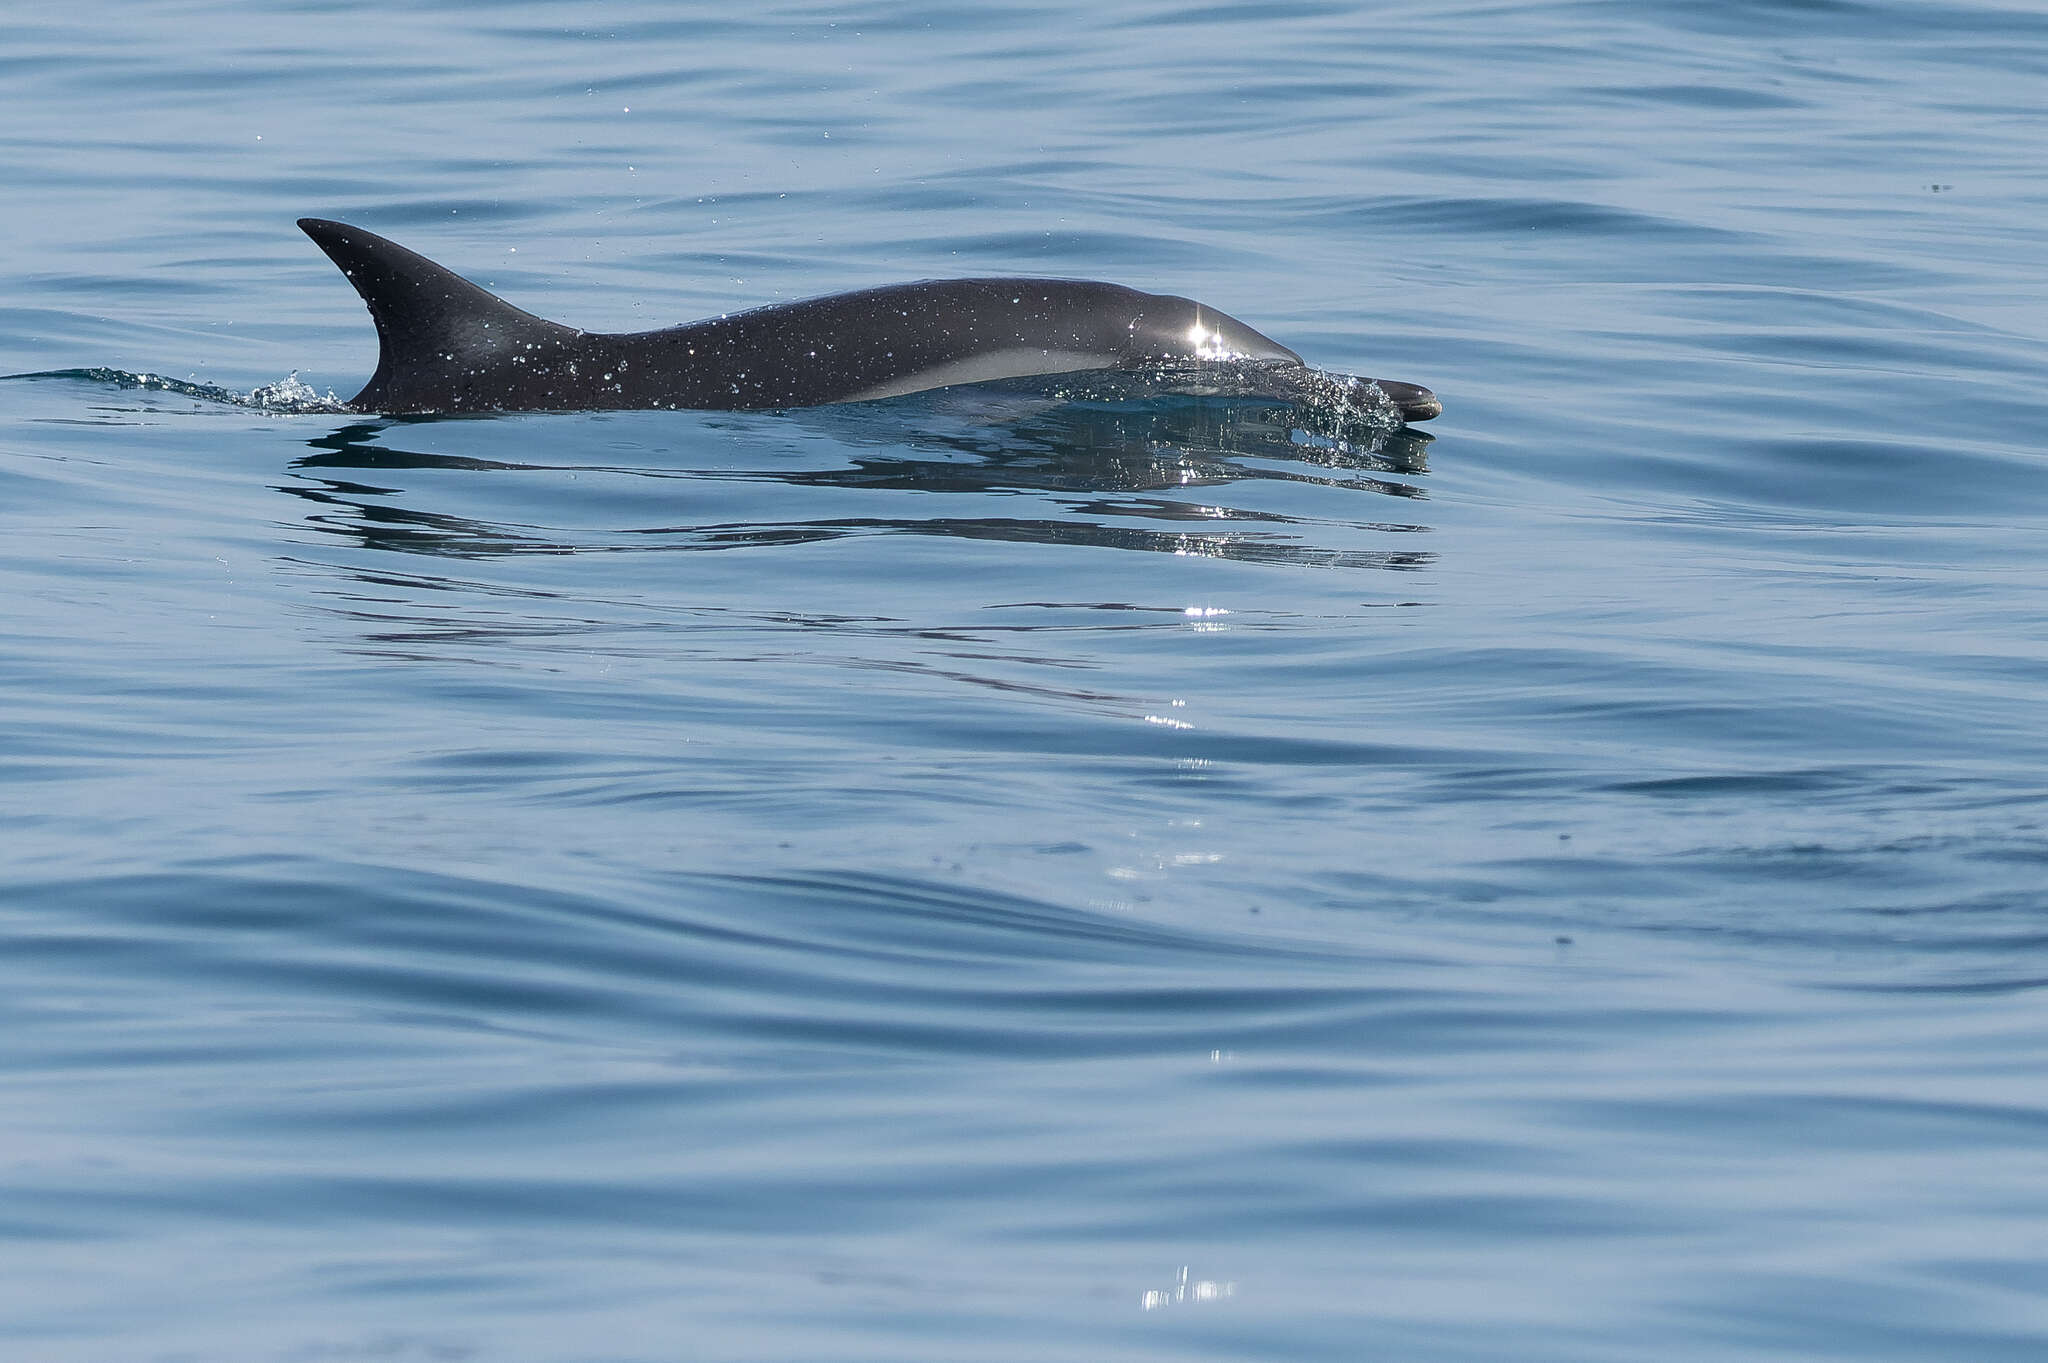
(1013, 874)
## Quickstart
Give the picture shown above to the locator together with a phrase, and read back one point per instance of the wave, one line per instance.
(289, 395)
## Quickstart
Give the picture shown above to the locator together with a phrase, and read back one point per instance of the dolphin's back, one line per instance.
(445, 345)
(883, 342)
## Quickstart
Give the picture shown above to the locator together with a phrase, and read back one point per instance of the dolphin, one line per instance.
(445, 345)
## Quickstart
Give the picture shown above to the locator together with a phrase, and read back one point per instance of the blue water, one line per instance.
(1010, 875)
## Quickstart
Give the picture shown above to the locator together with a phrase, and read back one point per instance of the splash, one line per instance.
(1336, 406)
(289, 395)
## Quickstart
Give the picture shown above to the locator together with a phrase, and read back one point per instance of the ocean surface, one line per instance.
(1028, 873)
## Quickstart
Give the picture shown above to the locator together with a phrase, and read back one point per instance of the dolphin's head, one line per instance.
(1187, 328)
(1180, 328)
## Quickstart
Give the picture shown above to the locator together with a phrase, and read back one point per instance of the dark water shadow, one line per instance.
(1100, 472)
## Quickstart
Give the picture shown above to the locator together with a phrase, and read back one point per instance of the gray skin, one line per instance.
(446, 345)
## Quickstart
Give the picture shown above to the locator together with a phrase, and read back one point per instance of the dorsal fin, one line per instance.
(441, 340)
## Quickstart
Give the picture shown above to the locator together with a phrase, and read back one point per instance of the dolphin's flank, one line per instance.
(445, 345)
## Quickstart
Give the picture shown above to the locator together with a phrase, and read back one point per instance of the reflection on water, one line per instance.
(1109, 473)
(1184, 1292)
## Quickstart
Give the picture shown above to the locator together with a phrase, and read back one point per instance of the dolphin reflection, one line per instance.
(1103, 472)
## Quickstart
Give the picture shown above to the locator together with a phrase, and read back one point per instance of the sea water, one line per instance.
(1014, 875)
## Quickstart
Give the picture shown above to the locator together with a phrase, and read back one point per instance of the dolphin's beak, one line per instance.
(1416, 402)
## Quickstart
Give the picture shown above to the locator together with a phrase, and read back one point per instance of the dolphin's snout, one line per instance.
(1416, 402)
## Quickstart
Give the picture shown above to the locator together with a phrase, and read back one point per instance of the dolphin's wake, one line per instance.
(288, 396)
